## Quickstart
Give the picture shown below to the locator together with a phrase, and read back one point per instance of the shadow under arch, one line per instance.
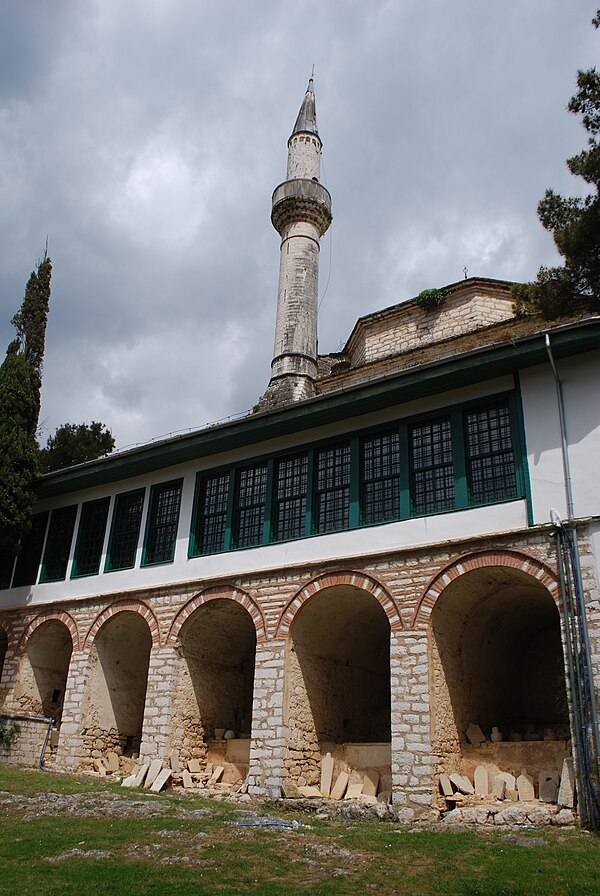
(496, 655)
(217, 650)
(337, 677)
(44, 667)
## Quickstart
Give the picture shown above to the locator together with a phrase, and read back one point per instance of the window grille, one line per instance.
(333, 488)
(290, 497)
(432, 471)
(211, 522)
(249, 510)
(380, 478)
(163, 516)
(58, 544)
(125, 531)
(90, 539)
(490, 457)
(28, 561)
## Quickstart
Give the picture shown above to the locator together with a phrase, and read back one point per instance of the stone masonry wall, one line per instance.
(407, 584)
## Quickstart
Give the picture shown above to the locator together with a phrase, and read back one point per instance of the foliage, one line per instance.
(19, 410)
(30, 320)
(574, 222)
(74, 443)
(430, 298)
(8, 731)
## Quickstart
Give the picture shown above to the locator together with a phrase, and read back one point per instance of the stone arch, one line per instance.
(5, 639)
(353, 579)
(480, 560)
(121, 606)
(218, 592)
(47, 616)
(44, 662)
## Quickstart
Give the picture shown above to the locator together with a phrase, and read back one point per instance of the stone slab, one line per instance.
(141, 774)
(482, 781)
(310, 792)
(290, 791)
(175, 764)
(461, 783)
(112, 761)
(153, 773)
(326, 774)
(548, 791)
(217, 774)
(446, 785)
(566, 791)
(511, 794)
(370, 782)
(339, 788)
(188, 781)
(525, 787)
(475, 735)
(353, 791)
(129, 781)
(195, 767)
(509, 780)
(162, 779)
(499, 787)
(369, 798)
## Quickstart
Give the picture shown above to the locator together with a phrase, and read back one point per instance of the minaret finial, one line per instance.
(306, 122)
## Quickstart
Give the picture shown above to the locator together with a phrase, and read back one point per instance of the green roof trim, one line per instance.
(476, 365)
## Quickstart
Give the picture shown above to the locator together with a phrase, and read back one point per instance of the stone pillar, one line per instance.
(163, 669)
(413, 762)
(70, 753)
(269, 734)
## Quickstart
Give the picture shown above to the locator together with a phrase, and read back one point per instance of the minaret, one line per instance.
(301, 214)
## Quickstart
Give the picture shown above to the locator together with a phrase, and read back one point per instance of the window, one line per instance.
(210, 526)
(380, 477)
(161, 529)
(7, 562)
(90, 538)
(431, 467)
(490, 457)
(125, 530)
(30, 555)
(333, 488)
(249, 505)
(291, 478)
(58, 544)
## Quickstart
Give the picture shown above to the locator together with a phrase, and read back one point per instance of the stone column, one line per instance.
(70, 753)
(269, 734)
(413, 763)
(158, 712)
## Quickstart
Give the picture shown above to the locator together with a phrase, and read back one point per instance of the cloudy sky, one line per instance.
(145, 137)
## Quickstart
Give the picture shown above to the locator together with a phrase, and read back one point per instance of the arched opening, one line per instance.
(44, 669)
(216, 684)
(119, 661)
(497, 662)
(338, 684)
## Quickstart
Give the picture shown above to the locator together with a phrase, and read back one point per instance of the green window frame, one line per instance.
(443, 461)
(30, 555)
(58, 544)
(161, 525)
(249, 505)
(90, 538)
(125, 530)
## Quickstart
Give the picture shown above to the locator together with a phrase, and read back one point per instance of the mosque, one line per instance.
(399, 545)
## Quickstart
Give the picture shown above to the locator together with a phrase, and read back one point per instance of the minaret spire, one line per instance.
(301, 214)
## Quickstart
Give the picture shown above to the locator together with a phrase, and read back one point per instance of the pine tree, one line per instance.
(20, 383)
(74, 443)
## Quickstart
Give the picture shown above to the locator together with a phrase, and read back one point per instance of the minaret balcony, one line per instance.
(301, 199)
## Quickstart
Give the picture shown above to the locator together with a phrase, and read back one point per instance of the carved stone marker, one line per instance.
(370, 783)
(475, 735)
(153, 772)
(446, 786)
(566, 791)
(339, 788)
(326, 774)
(162, 779)
(525, 786)
(482, 783)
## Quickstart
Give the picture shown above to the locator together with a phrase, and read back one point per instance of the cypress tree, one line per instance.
(20, 383)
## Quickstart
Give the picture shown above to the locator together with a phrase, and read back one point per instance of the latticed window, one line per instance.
(125, 532)
(249, 509)
(90, 539)
(431, 468)
(380, 477)
(58, 544)
(290, 497)
(490, 456)
(211, 520)
(332, 494)
(30, 554)
(163, 516)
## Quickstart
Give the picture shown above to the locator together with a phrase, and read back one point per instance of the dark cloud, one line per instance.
(146, 138)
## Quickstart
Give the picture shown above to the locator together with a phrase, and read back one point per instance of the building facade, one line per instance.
(366, 565)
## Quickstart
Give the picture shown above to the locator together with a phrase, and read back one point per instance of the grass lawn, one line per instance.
(62, 835)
